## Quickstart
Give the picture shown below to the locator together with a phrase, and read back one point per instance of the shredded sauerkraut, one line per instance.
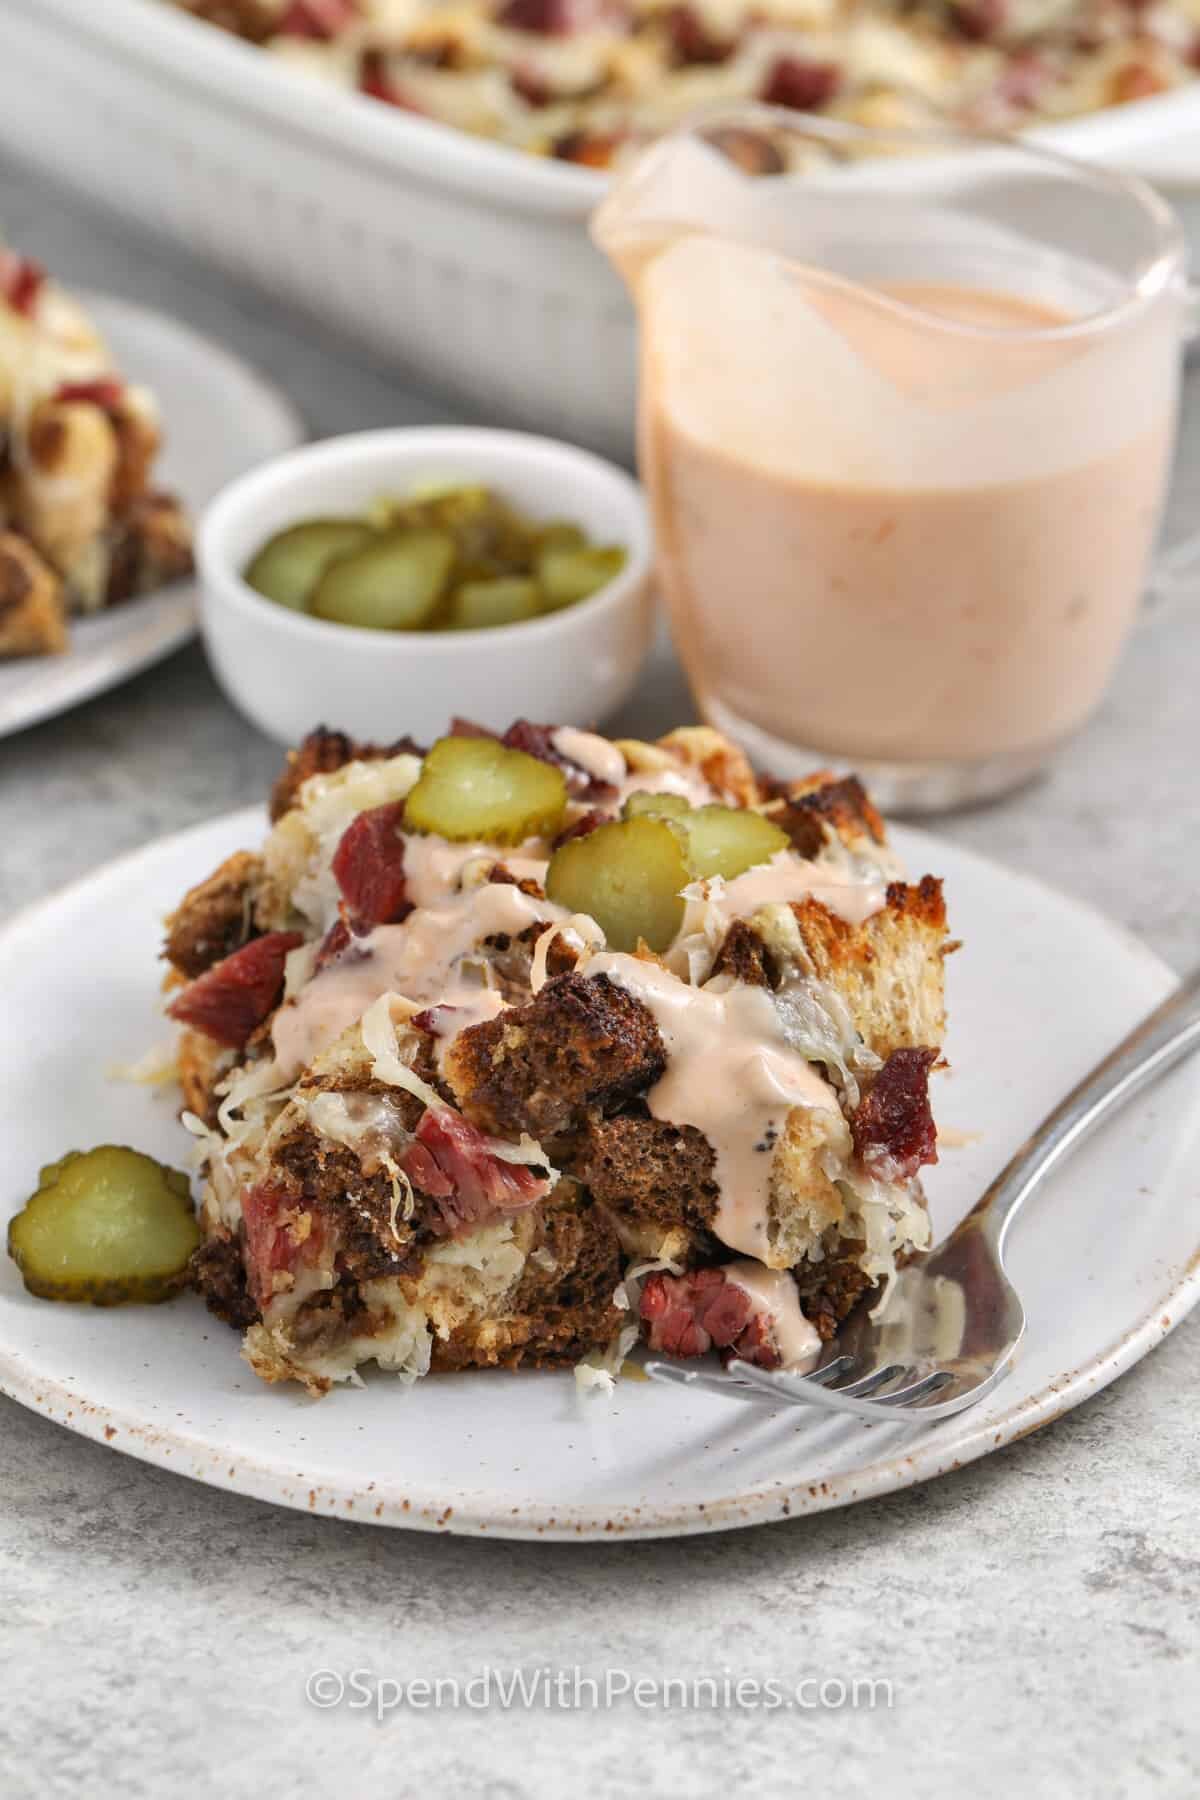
(597, 1372)
(301, 848)
(580, 928)
(379, 1038)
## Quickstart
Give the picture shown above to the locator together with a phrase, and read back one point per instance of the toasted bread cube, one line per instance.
(805, 1204)
(32, 614)
(215, 917)
(888, 970)
(201, 1062)
(151, 545)
(540, 1067)
(723, 764)
(61, 499)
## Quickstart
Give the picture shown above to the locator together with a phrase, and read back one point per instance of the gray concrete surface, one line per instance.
(1036, 1614)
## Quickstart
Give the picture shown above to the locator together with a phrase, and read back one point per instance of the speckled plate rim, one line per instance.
(950, 1445)
(119, 643)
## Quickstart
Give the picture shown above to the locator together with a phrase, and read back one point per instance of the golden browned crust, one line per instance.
(844, 802)
(324, 752)
(151, 545)
(321, 753)
(723, 764)
(138, 443)
(888, 970)
(32, 613)
(214, 918)
(809, 810)
(81, 496)
(60, 502)
(201, 1063)
(581, 1043)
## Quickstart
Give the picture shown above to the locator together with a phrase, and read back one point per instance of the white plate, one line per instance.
(219, 419)
(1106, 1264)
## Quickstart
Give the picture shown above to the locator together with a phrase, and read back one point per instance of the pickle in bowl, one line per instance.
(393, 583)
(288, 568)
(502, 600)
(568, 574)
(445, 558)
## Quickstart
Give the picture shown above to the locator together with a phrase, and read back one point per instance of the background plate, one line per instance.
(219, 419)
(1106, 1262)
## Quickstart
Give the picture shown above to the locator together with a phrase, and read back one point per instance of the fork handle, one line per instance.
(1170, 1033)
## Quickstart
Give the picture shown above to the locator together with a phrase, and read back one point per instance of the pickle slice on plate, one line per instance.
(107, 1226)
(568, 575)
(289, 566)
(393, 584)
(659, 806)
(728, 840)
(718, 840)
(481, 605)
(476, 788)
(628, 876)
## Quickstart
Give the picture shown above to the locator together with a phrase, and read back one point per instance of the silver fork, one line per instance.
(947, 1328)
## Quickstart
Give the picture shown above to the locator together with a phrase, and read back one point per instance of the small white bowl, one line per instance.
(288, 672)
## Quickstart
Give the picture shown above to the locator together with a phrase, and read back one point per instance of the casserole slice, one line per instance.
(445, 1122)
(81, 523)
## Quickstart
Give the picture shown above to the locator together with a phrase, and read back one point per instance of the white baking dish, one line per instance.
(463, 259)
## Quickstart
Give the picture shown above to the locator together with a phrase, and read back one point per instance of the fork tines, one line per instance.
(907, 1390)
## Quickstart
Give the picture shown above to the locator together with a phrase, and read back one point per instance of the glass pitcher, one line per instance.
(907, 405)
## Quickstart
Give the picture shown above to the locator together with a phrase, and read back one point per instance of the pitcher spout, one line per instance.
(680, 187)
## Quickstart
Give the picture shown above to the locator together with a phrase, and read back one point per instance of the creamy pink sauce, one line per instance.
(433, 867)
(421, 959)
(774, 1292)
(587, 750)
(462, 1005)
(732, 1075)
(433, 957)
(688, 784)
(790, 877)
(880, 537)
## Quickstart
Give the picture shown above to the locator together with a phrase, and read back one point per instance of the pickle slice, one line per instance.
(450, 509)
(570, 575)
(628, 876)
(476, 788)
(489, 537)
(728, 840)
(289, 566)
(393, 584)
(560, 534)
(108, 1227)
(505, 600)
(718, 840)
(659, 806)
